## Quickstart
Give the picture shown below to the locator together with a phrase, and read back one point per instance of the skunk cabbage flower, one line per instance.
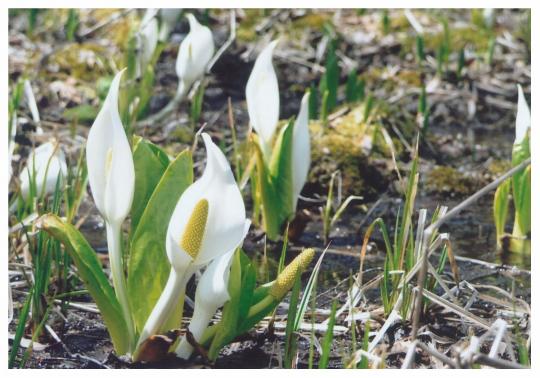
(194, 54)
(301, 153)
(262, 97)
(111, 174)
(212, 293)
(208, 221)
(168, 17)
(47, 162)
(148, 39)
(523, 117)
(110, 163)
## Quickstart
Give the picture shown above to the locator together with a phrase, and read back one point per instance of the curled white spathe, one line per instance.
(111, 172)
(47, 162)
(262, 97)
(523, 117)
(301, 153)
(212, 289)
(194, 53)
(212, 293)
(226, 212)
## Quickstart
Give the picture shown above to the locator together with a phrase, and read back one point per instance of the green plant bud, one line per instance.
(285, 280)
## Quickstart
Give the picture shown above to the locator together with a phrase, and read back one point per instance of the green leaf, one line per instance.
(249, 277)
(81, 113)
(351, 91)
(521, 188)
(313, 101)
(19, 332)
(149, 267)
(275, 183)
(145, 90)
(328, 337)
(500, 208)
(150, 164)
(522, 201)
(93, 277)
(290, 331)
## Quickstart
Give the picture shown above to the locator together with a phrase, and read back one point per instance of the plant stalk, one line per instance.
(114, 244)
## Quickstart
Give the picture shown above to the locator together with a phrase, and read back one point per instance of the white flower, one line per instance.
(168, 17)
(148, 39)
(194, 54)
(212, 293)
(262, 97)
(218, 201)
(111, 172)
(523, 117)
(48, 162)
(301, 153)
(208, 221)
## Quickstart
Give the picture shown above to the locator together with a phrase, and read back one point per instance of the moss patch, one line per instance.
(346, 145)
(447, 180)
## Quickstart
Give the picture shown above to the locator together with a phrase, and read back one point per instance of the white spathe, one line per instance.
(301, 150)
(523, 117)
(194, 53)
(148, 39)
(262, 97)
(212, 293)
(48, 162)
(226, 212)
(111, 172)
(223, 231)
(169, 17)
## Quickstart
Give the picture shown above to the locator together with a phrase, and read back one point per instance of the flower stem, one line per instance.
(114, 244)
(162, 310)
(199, 323)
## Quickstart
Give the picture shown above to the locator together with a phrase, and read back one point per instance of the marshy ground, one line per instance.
(466, 142)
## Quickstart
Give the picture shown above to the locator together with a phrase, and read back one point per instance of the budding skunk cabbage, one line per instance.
(208, 221)
(519, 186)
(247, 304)
(44, 165)
(194, 54)
(111, 174)
(168, 17)
(147, 40)
(282, 160)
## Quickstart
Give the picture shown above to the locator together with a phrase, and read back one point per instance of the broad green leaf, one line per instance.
(150, 164)
(93, 277)
(275, 183)
(249, 276)
(149, 267)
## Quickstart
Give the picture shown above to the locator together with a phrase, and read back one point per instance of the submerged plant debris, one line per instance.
(415, 110)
